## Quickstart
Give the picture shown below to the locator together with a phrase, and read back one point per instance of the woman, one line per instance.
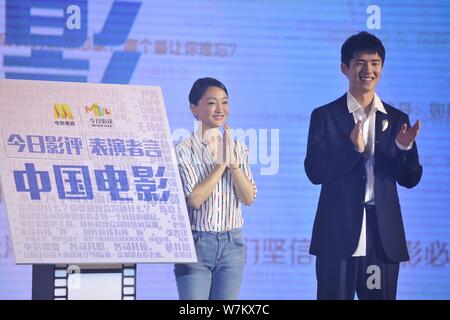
(216, 177)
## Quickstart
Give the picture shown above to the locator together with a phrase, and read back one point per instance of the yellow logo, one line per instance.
(62, 111)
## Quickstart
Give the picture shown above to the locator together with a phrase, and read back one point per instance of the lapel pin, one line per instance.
(384, 125)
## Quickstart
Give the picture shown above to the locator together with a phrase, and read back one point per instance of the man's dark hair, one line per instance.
(361, 42)
(201, 85)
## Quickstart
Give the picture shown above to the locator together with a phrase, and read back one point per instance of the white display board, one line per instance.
(89, 175)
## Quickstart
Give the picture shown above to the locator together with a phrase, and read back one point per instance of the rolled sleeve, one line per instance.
(242, 156)
(186, 168)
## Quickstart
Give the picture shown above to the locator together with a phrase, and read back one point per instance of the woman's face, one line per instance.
(212, 108)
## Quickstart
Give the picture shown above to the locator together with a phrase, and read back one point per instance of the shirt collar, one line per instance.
(353, 105)
(199, 140)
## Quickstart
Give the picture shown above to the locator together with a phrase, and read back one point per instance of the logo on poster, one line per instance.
(63, 115)
(101, 116)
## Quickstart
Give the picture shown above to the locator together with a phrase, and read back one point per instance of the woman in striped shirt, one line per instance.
(216, 177)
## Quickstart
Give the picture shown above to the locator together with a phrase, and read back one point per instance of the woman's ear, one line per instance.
(193, 108)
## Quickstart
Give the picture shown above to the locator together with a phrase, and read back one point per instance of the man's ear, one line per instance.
(344, 68)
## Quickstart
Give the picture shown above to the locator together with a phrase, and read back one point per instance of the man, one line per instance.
(359, 148)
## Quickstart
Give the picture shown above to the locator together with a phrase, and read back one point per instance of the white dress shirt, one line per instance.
(368, 129)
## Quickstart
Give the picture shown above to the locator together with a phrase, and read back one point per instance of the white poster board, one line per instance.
(89, 175)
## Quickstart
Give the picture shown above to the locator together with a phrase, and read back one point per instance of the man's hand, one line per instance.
(407, 136)
(357, 137)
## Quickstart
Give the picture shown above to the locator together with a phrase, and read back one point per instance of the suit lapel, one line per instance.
(344, 118)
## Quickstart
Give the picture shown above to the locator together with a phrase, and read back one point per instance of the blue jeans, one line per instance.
(218, 273)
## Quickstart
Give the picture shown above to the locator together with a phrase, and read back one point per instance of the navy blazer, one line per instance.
(332, 161)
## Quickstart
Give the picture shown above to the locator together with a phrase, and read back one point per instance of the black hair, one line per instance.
(201, 85)
(361, 42)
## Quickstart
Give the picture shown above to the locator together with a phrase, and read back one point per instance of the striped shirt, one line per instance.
(222, 210)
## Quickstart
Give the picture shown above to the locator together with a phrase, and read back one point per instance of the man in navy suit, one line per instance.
(359, 149)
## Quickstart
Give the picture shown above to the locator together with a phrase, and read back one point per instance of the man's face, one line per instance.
(363, 73)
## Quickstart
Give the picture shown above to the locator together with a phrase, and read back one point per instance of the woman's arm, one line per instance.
(203, 189)
(245, 189)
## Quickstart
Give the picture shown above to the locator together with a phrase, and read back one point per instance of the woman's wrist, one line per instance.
(233, 166)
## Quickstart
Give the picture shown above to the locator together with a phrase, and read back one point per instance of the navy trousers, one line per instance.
(372, 277)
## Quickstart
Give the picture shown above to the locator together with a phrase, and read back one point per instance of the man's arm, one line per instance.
(407, 168)
(322, 165)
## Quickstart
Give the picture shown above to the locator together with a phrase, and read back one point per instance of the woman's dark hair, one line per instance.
(361, 42)
(201, 85)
